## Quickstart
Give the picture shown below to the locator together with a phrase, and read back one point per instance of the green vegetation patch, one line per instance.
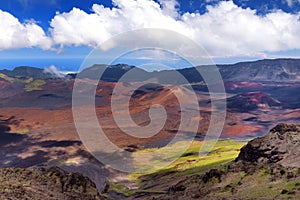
(190, 162)
(6, 78)
(255, 186)
(34, 85)
(121, 189)
(22, 130)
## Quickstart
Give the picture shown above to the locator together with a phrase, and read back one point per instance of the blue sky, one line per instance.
(63, 32)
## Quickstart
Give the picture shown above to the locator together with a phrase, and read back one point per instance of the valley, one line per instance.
(37, 128)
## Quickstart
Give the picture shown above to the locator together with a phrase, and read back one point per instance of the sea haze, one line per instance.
(70, 64)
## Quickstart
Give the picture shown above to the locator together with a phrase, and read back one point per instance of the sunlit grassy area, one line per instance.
(3, 76)
(22, 130)
(16, 79)
(188, 163)
(128, 192)
(224, 151)
(30, 83)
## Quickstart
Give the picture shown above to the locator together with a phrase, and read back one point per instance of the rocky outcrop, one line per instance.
(266, 168)
(41, 183)
(280, 146)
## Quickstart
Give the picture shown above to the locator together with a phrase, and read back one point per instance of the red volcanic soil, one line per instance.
(3, 84)
(139, 105)
(57, 124)
(35, 120)
(242, 130)
(8, 89)
(292, 114)
(251, 101)
(48, 112)
(257, 97)
(234, 85)
(66, 85)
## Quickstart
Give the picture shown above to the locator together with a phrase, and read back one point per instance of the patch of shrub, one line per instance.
(266, 172)
(284, 191)
(282, 172)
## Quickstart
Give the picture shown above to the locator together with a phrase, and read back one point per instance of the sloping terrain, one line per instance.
(266, 168)
(280, 146)
(37, 127)
(250, 101)
(40, 183)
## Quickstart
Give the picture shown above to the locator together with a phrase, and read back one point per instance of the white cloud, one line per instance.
(225, 30)
(291, 2)
(232, 30)
(79, 28)
(14, 34)
(53, 70)
(170, 7)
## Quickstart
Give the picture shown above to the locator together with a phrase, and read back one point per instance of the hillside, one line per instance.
(37, 128)
(249, 101)
(266, 168)
(263, 70)
(40, 183)
(26, 72)
(280, 146)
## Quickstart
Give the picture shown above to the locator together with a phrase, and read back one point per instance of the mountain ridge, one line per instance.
(280, 69)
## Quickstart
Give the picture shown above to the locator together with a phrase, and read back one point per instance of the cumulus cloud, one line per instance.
(170, 7)
(224, 30)
(79, 28)
(54, 71)
(14, 34)
(291, 2)
(233, 30)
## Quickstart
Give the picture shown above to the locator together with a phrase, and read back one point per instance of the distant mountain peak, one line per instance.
(27, 72)
(275, 70)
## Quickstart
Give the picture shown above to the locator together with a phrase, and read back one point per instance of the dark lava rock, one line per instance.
(280, 146)
(213, 173)
(41, 183)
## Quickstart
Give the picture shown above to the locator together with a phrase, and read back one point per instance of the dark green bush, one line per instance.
(284, 191)
(282, 172)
